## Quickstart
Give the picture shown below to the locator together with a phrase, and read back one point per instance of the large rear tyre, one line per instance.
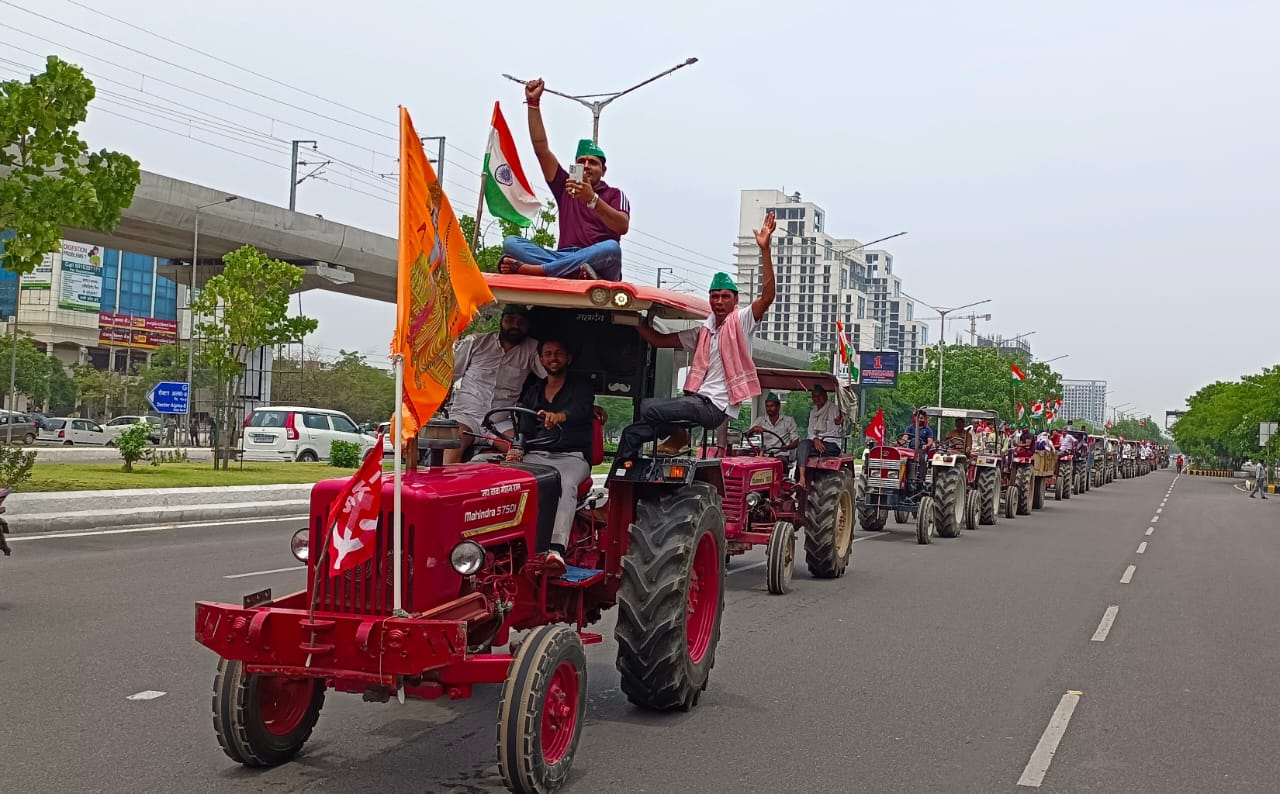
(870, 517)
(263, 720)
(949, 493)
(671, 598)
(1037, 496)
(1010, 502)
(828, 530)
(543, 707)
(1023, 482)
(988, 490)
(780, 557)
(926, 521)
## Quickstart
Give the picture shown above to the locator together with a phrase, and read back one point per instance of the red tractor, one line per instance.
(763, 505)
(472, 575)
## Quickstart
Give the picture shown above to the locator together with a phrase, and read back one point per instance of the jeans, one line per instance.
(1259, 487)
(808, 446)
(573, 469)
(605, 258)
(656, 416)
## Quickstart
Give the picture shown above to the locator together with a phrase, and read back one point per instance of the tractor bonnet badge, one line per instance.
(503, 175)
(762, 477)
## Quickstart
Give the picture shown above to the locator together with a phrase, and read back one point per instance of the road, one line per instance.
(927, 668)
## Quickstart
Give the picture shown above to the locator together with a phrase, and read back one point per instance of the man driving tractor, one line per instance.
(918, 435)
(959, 436)
(785, 434)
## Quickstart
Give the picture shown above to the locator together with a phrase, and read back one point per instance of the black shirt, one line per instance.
(575, 400)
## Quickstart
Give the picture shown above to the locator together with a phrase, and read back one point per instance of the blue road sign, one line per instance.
(170, 397)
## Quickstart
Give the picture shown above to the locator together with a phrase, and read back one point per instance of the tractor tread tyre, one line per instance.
(948, 488)
(654, 660)
(1011, 502)
(902, 516)
(870, 518)
(1038, 493)
(1023, 482)
(780, 557)
(988, 486)
(238, 722)
(972, 510)
(926, 521)
(522, 758)
(827, 545)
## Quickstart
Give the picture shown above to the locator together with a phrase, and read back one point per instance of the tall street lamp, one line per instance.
(596, 106)
(191, 294)
(942, 330)
(1055, 358)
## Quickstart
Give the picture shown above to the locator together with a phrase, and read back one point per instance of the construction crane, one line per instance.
(973, 324)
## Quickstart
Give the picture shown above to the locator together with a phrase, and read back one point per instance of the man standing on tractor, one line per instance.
(721, 375)
(564, 402)
(825, 431)
(785, 435)
(490, 371)
(593, 216)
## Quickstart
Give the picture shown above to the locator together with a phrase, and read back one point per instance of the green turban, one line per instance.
(515, 308)
(722, 281)
(588, 148)
(772, 398)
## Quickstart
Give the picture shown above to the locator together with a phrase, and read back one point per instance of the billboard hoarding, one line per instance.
(142, 333)
(879, 368)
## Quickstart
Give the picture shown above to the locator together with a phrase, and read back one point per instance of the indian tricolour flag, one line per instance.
(506, 189)
(1018, 374)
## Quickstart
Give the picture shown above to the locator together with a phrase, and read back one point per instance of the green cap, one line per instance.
(722, 281)
(515, 308)
(817, 387)
(772, 398)
(588, 148)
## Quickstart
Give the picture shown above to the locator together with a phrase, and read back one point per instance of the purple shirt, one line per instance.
(579, 225)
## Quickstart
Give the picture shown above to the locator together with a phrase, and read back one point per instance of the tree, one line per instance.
(978, 378)
(48, 177)
(96, 389)
(38, 376)
(351, 385)
(247, 306)
(1221, 422)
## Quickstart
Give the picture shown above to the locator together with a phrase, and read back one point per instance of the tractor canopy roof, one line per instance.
(961, 413)
(796, 380)
(605, 296)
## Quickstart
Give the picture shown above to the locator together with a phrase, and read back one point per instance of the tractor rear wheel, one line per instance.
(671, 598)
(1037, 496)
(926, 521)
(972, 510)
(780, 557)
(1011, 501)
(870, 517)
(988, 486)
(543, 707)
(1023, 482)
(949, 493)
(263, 720)
(828, 525)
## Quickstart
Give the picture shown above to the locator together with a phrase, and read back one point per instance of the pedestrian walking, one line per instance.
(1260, 479)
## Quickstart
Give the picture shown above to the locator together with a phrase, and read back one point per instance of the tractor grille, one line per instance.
(875, 478)
(735, 500)
(366, 589)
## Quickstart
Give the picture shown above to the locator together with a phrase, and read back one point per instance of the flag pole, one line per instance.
(475, 233)
(397, 605)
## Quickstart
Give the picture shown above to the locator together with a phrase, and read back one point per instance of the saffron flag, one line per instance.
(439, 287)
(1022, 410)
(506, 189)
(353, 516)
(875, 430)
(1017, 373)
(844, 342)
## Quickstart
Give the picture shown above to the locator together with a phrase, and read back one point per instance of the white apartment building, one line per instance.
(1085, 401)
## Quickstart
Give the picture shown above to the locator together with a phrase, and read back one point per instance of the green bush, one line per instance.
(132, 444)
(344, 455)
(15, 465)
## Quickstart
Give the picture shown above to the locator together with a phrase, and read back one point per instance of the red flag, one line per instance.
(1048, 416)
(1018, 374)
(353, 516)
(875, 430)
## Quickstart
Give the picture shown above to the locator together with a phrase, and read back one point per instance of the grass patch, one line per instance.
(109, 476)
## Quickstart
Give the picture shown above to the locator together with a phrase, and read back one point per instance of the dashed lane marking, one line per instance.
(146, 694)
(1128, 574)
(1042, 756)
(1150, 530)
(1104, 627)
(1142, 547)
(264, 573)
(1154, 519)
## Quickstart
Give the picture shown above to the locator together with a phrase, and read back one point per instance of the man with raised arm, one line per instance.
(593, 215)
(721, 375)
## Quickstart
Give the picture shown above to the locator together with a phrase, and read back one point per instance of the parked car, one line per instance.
(301, 434)
(120, 424)
(388, 446)
(25, 429)
(69, 431)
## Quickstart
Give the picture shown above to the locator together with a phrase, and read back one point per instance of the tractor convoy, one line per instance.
(467, 597)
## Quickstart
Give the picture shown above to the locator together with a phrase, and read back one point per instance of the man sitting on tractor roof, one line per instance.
(825, 434)
(918, 434)
(564, 401)
(721, 375)
(785, 435)
(593, 216)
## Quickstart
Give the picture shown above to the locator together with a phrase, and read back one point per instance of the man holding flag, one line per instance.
(593, 215)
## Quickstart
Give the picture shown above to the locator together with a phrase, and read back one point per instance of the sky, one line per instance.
(1104, 172)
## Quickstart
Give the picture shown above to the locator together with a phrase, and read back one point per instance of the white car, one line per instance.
(120, 424)
(288, 433)
(388, 445)
(68, 431)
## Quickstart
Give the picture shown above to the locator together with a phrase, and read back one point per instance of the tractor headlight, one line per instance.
(621, 299)
(467, 557)
(753, 499)
(599, 296)
(300, 544)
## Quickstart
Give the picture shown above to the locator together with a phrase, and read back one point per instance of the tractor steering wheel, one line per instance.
(761, 451)
(514, 413)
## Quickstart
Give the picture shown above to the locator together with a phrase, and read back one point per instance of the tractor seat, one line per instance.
(598, 419)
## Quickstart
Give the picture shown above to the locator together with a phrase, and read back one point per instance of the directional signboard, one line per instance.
(169, 397)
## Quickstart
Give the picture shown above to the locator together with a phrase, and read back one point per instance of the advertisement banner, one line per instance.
(42, 276)
(879, 368)
(141, 333)
(81, 277)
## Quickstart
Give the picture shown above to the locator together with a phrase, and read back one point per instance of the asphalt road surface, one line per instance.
(957, 667)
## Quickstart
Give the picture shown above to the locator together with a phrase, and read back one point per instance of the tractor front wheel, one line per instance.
(671, 598)
(1037, 496)
(901, 517)
(988, 486)
(926, 521)
(780, 557)
(1011, 501)
(870, 518)
(949, 493)
(543, 706)
(828, 525)
(972, 510)
(263, 720)
(1024, 485)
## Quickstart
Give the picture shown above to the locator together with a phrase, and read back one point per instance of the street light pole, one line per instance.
(191, 294)
(942, 331)
(596, 106)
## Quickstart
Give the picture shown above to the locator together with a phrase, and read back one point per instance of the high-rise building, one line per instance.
(1085, 401)
(819, 279)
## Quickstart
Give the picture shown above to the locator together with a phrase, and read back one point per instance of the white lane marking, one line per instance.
(1128, 574)
(1159, 510)
(762, 562)
(161, 528)
(1154, 519)
(1104, 627)
(1150, 530)
(1142, 547)
(1042, 756)
(146, 694)
(264, 573)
